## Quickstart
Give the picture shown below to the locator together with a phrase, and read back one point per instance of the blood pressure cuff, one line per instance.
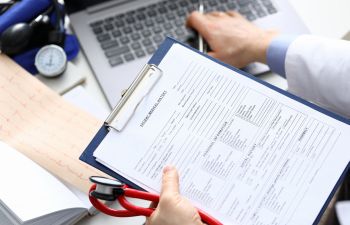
(25, 11)
(22, 12)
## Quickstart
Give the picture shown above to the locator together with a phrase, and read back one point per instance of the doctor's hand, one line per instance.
(231, 37)
(173, 209)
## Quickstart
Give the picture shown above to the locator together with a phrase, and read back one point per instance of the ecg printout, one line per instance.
(37, 122)
(245, 153)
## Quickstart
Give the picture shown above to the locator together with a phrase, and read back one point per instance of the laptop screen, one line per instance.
(78, 5)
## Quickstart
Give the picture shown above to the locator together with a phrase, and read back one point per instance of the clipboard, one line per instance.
(116, 120)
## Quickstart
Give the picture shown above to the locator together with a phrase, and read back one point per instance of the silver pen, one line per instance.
(201, 43)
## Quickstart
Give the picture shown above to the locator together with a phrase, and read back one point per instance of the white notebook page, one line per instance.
(30, 191)
(245, 153)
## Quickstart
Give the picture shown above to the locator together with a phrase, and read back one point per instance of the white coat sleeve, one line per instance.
(318, 70)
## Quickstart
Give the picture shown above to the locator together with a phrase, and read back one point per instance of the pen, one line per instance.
(201, 44)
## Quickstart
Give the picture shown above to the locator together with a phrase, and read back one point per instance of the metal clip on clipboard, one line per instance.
(139, 88)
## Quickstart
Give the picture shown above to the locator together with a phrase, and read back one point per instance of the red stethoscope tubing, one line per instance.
(132, 210)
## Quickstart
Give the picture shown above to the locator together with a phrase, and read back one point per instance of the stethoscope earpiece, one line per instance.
(106, 189)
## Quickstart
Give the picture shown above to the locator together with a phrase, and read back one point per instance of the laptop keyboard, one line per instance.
(136, 34)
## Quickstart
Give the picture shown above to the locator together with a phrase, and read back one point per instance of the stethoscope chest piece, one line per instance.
(106, 189)
(110, 190)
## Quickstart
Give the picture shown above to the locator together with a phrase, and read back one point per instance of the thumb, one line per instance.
(170, 184)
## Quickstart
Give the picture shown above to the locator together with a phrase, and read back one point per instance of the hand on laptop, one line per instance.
(173, 209)
(231, 37)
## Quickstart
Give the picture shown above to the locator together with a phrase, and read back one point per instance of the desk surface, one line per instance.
(323, 17)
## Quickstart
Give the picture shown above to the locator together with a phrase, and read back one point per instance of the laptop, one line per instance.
(119, 36)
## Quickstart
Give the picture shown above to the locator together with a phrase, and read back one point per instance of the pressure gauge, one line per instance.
(51, 60)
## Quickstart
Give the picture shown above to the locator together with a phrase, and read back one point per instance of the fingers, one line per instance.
(170, 183)
(233, 14)
(216, 14)
(198, 21)
(216, 56)
(212, 54)
(230, 13)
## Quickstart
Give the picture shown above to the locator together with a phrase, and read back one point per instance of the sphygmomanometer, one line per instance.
(33, 34)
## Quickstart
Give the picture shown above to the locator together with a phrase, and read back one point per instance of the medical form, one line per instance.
(246, 154)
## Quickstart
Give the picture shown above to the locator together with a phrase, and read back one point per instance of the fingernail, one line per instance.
(168, 168)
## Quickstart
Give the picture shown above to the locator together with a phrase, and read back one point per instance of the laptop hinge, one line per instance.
(103, 6)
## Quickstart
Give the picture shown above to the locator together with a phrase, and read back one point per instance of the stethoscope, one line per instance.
(111, 190)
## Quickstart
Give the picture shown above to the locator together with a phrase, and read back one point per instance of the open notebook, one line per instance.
(31, 195)
(247, 152)
(51, 132)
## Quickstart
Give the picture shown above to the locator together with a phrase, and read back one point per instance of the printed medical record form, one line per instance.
(246, 152)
